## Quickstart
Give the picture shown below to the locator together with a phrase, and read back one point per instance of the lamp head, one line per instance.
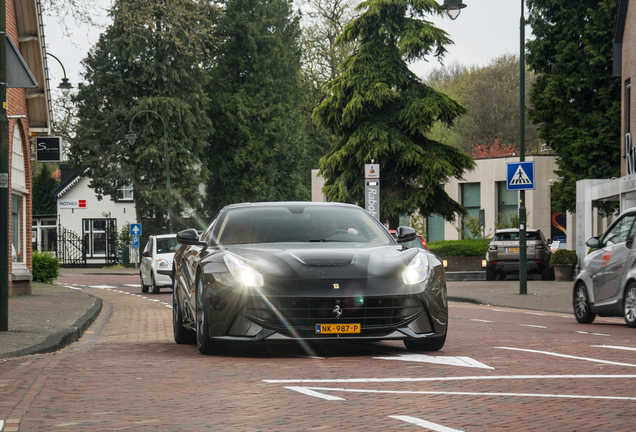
(131, 137)
(65, 86)
(453, 8)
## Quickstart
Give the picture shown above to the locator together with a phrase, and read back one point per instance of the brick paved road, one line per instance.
(504, 373)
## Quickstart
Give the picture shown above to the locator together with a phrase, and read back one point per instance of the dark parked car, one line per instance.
(606, 284)
(503, 254)
(305, 271)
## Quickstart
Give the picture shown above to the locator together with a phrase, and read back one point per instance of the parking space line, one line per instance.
(315, 391)
(535, 326)
(595, 334)
(423, 423)
(568, 356)
(614, 347)
(460, 378)
(480, 320)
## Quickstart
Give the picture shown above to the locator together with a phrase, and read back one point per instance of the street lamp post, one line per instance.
(131, 136)
(452, 7)
(64, 86)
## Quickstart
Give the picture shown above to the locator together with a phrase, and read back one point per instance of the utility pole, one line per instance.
(4, 175)
(523, 252)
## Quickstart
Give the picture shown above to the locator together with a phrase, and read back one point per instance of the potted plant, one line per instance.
(563, 262)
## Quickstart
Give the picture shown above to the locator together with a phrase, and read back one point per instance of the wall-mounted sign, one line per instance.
(48, 149)
(71, 203)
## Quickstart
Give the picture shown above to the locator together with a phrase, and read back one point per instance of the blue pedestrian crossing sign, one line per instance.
(520, 176)
(135, 229)
(135, 242)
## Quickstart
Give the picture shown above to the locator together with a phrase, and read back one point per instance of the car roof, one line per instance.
(287, 203)
(514, 230)
(164, 235)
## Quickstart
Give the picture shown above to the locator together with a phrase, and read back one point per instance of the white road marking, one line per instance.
(530, 325)
(568, 356)
(484, 321)
(595, 334)
(315, 391)
(614, 347)
(309, 392)
(534, 313)
(450, 361)
(73, 288)
(1, 424)
(102, 286)
(425, 424)
(499, 310)
(460, 378)
(133, 285)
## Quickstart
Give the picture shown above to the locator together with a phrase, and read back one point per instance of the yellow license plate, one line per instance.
(337, 328)
(513, 249)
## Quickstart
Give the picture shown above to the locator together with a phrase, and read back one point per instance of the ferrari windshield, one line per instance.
(298, 223)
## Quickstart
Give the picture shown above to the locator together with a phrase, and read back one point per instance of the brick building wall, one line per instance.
(17, 106)
(628, 73)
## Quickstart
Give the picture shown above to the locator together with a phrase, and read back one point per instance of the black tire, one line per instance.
(490, 274)
(547, 274)
(155, 288)
(144, 288)
(204, 343)
(581, 304)
(629, 305)
(182, 335)
(425, 345)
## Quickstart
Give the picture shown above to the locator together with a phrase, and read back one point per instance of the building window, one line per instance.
(471, 199)
(506, 202)
(435, 228)
(19, 194)
(44, 235)
(126, 193)
(100, 236)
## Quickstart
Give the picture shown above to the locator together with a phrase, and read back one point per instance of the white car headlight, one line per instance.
(163, 263)
(243, 273)
(417, 270)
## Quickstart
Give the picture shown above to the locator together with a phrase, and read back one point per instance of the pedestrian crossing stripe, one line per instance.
(520, 177)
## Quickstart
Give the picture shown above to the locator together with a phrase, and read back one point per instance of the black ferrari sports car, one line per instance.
(305, 271)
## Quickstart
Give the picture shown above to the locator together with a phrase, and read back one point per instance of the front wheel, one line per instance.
(182, 335)
(204, 343)
(582, 309)
(419, 345)
(629, 305)
(155, 288)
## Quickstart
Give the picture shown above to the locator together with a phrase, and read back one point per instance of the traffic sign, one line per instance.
(135, 242)
(520, 176)
(135, 229)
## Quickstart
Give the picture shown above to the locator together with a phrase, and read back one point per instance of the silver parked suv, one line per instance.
(503, 254)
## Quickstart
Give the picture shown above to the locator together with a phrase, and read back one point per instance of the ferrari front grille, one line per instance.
(305, 313)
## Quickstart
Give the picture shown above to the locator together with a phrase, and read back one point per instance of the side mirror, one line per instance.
(190, 237)
(146, 254)
(594, 243)
(405, 234)
(549, 241)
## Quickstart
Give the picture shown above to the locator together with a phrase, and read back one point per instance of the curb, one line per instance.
(483, 303)
(63, 338)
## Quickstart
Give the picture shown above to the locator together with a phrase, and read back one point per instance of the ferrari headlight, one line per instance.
(163, 263)
(243, 273)
(416, 271)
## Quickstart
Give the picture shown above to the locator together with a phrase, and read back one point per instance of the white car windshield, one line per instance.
(167, 245)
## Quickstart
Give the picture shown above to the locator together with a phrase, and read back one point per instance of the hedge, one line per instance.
(459, 248)
(46, 267)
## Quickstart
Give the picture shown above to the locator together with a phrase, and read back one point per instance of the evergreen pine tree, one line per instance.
(43, 185)
(259, 140)
(379, 110)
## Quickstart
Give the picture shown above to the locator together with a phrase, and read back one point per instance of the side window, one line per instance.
(208, 233)
(619, 232)
(148, 247)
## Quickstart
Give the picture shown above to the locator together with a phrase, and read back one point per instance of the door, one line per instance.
(610, 262)
(146, 262)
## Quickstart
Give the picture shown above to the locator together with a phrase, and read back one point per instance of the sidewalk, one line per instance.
(56, 316)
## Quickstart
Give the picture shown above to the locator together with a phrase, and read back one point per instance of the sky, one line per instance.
(485, 29)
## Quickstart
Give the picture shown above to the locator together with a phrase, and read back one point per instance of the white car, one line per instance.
(156, 262)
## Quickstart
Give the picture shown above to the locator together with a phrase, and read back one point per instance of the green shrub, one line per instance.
(46, 267)
(459, 248)
(564, 256)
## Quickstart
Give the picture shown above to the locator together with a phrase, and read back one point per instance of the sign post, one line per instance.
(520, 177)
(372, 189)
